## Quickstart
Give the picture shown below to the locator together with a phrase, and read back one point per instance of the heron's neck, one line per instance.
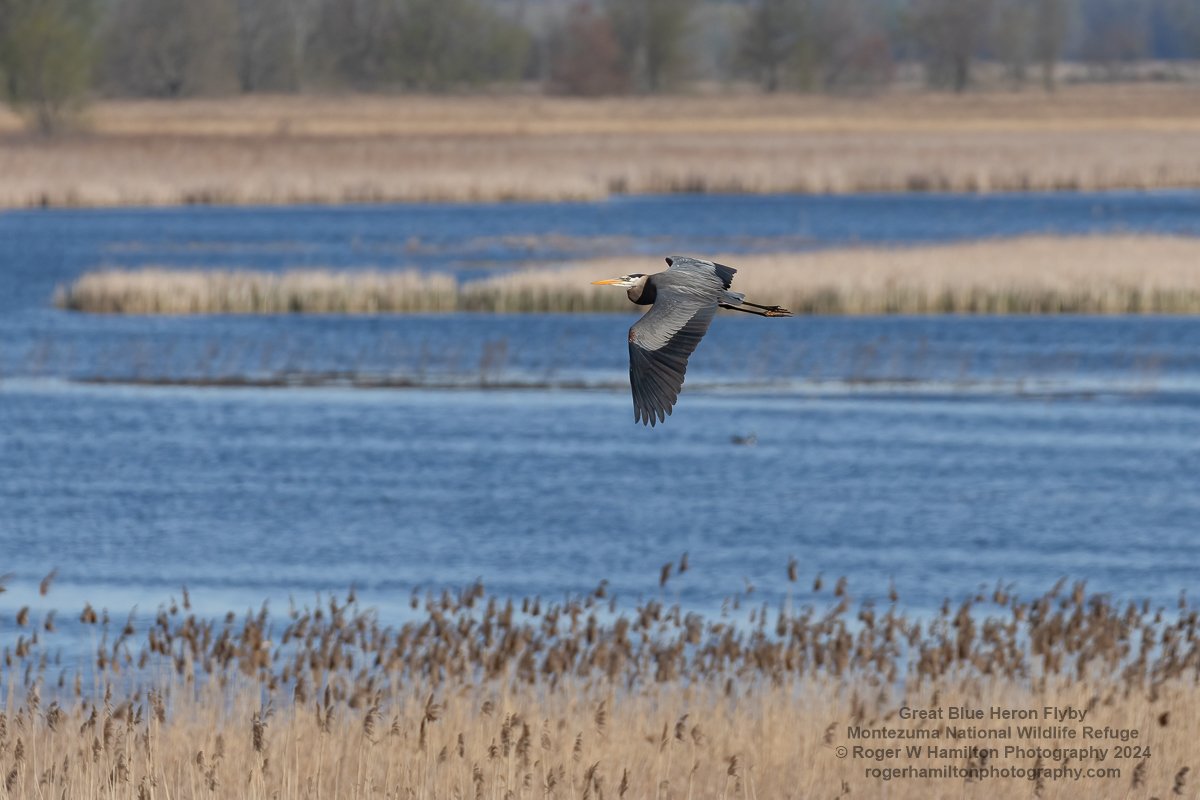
(643, 292)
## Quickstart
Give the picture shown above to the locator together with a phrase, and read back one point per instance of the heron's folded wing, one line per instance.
(659, 346)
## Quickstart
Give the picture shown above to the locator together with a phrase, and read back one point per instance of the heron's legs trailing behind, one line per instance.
(766, 311)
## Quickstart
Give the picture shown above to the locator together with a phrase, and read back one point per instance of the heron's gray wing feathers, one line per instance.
(656, 373)
(661, 341)
(700, 273)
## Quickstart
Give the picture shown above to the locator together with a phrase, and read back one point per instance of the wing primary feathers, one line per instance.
(725, 274)
(656, 374)
(685, 299)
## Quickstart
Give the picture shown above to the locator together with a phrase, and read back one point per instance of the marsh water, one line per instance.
(253, 458)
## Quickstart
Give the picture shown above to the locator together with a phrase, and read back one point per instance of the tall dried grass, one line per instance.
(376, 149)
(485, 697)
(1028, 275)
(1093, 274)
(157, 291)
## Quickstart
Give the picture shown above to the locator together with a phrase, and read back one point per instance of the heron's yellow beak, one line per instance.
(606, 282)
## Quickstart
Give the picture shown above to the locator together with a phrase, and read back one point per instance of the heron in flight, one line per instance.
(685, 298)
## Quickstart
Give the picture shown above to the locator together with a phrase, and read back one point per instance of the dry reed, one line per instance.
(155, 291)
(1093, 274)
(480, 696)
(267, 150)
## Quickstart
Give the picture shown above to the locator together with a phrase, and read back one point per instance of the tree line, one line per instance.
(54, 53)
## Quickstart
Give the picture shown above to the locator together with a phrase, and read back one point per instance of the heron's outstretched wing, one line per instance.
(656, 373)
(660, 342)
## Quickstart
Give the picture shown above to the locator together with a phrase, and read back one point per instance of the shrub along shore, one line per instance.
(1031, 275)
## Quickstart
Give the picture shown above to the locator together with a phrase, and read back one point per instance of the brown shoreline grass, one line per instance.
(313, 149)
(161, 291)
(481, 696)
(1030, 275)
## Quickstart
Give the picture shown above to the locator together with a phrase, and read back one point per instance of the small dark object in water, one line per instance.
(748, 440)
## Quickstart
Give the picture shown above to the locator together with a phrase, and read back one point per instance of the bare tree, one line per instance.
(440, 43)
(585, 57)
(773, 38)
(46, 57)
(1115, 32)
(1013, 36)
(429, 45)
(1050, 31)
(850, 46)
(652, 35)
(302, 18)
(950, 33)
(267, 55)
(172, 48)
(351, 44)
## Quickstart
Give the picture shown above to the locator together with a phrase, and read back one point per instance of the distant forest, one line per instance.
(54, 53)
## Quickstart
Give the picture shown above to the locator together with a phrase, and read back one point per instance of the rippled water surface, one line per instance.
(938, 453)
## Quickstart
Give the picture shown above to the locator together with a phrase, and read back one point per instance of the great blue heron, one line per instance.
(685, 297)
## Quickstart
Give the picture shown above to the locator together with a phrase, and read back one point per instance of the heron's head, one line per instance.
(625, 281)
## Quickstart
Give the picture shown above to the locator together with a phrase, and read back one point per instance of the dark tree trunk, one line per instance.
(772, 79)
(962, 73)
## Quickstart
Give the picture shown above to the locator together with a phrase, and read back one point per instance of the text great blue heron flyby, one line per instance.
(685, 298)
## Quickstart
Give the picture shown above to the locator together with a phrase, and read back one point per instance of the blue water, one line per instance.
(40, 248)
(939, 453)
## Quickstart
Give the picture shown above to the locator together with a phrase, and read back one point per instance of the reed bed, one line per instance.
(1028, 275)
(156, 291)
(480, 696)
(274, 150)
(1032, 275)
